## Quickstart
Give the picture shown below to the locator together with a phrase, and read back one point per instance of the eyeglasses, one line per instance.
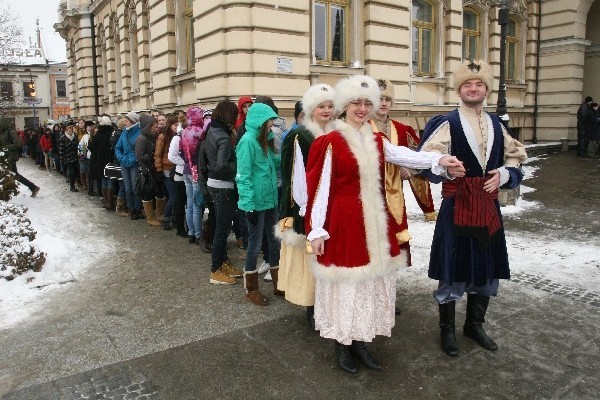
(359, 103)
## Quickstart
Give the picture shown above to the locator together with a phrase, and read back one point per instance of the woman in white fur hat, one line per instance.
(295, 277)
(349, 226)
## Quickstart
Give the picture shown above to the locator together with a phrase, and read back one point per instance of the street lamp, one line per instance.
(503, 22)
(31, 97)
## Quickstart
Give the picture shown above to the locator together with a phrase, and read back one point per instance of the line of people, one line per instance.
(323, 201)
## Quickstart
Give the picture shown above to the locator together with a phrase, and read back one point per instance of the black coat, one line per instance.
(592, 128)
(102, 151)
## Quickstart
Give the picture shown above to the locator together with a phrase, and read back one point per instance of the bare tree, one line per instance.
(11, 35)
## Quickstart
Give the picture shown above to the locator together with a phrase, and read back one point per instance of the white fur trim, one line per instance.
(290, 237)
(316, 95)
(356, 87)
(363, 146)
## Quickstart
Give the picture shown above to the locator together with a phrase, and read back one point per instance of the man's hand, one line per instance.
(453, 165)
(493, 182)
(318, 246)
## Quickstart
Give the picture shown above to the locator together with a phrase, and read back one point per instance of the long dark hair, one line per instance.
(263, 138)
(226, 112)
(173, 119)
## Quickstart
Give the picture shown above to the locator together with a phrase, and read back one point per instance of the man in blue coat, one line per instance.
(468, 253)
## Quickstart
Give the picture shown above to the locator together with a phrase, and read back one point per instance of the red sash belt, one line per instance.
(475, 210)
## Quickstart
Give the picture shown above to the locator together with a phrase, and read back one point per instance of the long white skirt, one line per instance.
(355, 311)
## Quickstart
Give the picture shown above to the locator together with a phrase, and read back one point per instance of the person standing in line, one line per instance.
(295, 277)
(256, 180)
(145, 145)
(11, 142)
(68, 151)
(592, 130)
(298, 118)
(218, 165)
(102, 154)
(582, 111)
(125, 153)
(468, 252)
(167, 168)
(46, 145)
(175, 157)
(350, 228)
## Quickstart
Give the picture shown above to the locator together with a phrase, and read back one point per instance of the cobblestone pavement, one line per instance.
(548, 331)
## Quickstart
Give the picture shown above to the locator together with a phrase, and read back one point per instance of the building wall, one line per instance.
(238, 44)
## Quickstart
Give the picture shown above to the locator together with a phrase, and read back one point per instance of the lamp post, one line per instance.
(503, 22)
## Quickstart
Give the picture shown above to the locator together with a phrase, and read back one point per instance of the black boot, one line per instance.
(359, 349)
(476, 308)
(344, 358)
(447, 335)
(310, 316)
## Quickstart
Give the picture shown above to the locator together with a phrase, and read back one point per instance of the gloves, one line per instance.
(252, 217)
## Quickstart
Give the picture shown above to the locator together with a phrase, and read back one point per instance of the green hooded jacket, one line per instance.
(256, 176)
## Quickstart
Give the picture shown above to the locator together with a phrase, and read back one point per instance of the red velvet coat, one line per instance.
(362, 244)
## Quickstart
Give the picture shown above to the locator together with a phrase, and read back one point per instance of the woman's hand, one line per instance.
(318, 246)
(493, 182)
(453, 165)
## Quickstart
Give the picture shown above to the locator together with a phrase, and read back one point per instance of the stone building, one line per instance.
(167, 54)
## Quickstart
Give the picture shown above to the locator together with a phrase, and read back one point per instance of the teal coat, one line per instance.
(256, 176)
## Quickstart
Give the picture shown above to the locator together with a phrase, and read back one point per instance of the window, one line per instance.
(61, 88)
(29, 89)
(133, 47)
(6, 91)
(512, 43)
(189, 34)
(471, 34)
(423, 25)
(331, 30)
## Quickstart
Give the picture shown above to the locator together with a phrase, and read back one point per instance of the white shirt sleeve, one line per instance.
(174, 156)
(319, 210)
(405, 157)
(299, 190)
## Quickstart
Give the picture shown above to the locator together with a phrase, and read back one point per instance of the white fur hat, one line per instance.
(356, 87)
(477, 69)
(104, 120)
(316, 95)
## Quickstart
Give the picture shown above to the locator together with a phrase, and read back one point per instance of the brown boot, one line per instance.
(150, 217)
(160, 207)
(83, 177)
(104, 198)
(252, 293)
(275, 276)
(122, 210)
(110, 200)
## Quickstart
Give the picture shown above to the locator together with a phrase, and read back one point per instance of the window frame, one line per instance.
(190, 50)
(57, 89)
(470, 33)
(346, 5)
(512, 42)
(5, 91)
(420, 26)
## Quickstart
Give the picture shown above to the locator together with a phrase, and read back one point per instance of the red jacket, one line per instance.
(45, 143)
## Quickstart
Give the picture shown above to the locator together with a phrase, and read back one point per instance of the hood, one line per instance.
(145, 124)
(241, 116)
(195, 116)
(258, 114)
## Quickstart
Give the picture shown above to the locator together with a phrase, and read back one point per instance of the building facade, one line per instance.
(166, 54)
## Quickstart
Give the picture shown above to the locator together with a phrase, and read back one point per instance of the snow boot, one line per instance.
(252, 293)
(476, 309)
(275, 276)
(447, 328)
(160, 207)
(110, 200)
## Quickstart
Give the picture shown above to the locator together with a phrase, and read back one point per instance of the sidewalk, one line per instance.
(135, 332)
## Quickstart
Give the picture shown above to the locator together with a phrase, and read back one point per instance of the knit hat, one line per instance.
(133, 117)
(316, 95)
(386, 87)
(477, 69)
(354, 88)
(297, 109)
(207, 113)
(104, 120)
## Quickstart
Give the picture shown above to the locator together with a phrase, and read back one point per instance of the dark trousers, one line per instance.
(179, 209)
(582, 140)
(21, 179)
(72, 168)
(224, 206)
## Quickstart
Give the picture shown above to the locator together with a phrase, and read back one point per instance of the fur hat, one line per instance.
(386, 87)
(134, 118)
(314, 96)
(477, 69)
(104, 120)
(353, 88)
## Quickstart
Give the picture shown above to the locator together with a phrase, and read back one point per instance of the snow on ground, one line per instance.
(72, 245)
(70, 242)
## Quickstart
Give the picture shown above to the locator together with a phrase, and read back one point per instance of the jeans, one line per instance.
(122, 194)
(240, 227)
(193, 213)
(266, 222)
(172, 190)
(224, 206)
(47, 160)
(107, 183)
(129, 174)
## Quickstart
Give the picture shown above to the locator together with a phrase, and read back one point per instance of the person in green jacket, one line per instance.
(256, 181)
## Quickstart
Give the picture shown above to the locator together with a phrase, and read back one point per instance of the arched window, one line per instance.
(423, 37)
(471, 34)
(512, 50)
(331, 30)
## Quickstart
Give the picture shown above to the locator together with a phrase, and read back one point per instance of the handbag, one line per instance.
(113, 171)
(144, 183)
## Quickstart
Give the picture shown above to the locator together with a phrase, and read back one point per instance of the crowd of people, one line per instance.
(588, 128)
(323, 201)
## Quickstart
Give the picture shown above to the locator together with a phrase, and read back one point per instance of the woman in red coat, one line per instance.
(351, 230)
(46, 146)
